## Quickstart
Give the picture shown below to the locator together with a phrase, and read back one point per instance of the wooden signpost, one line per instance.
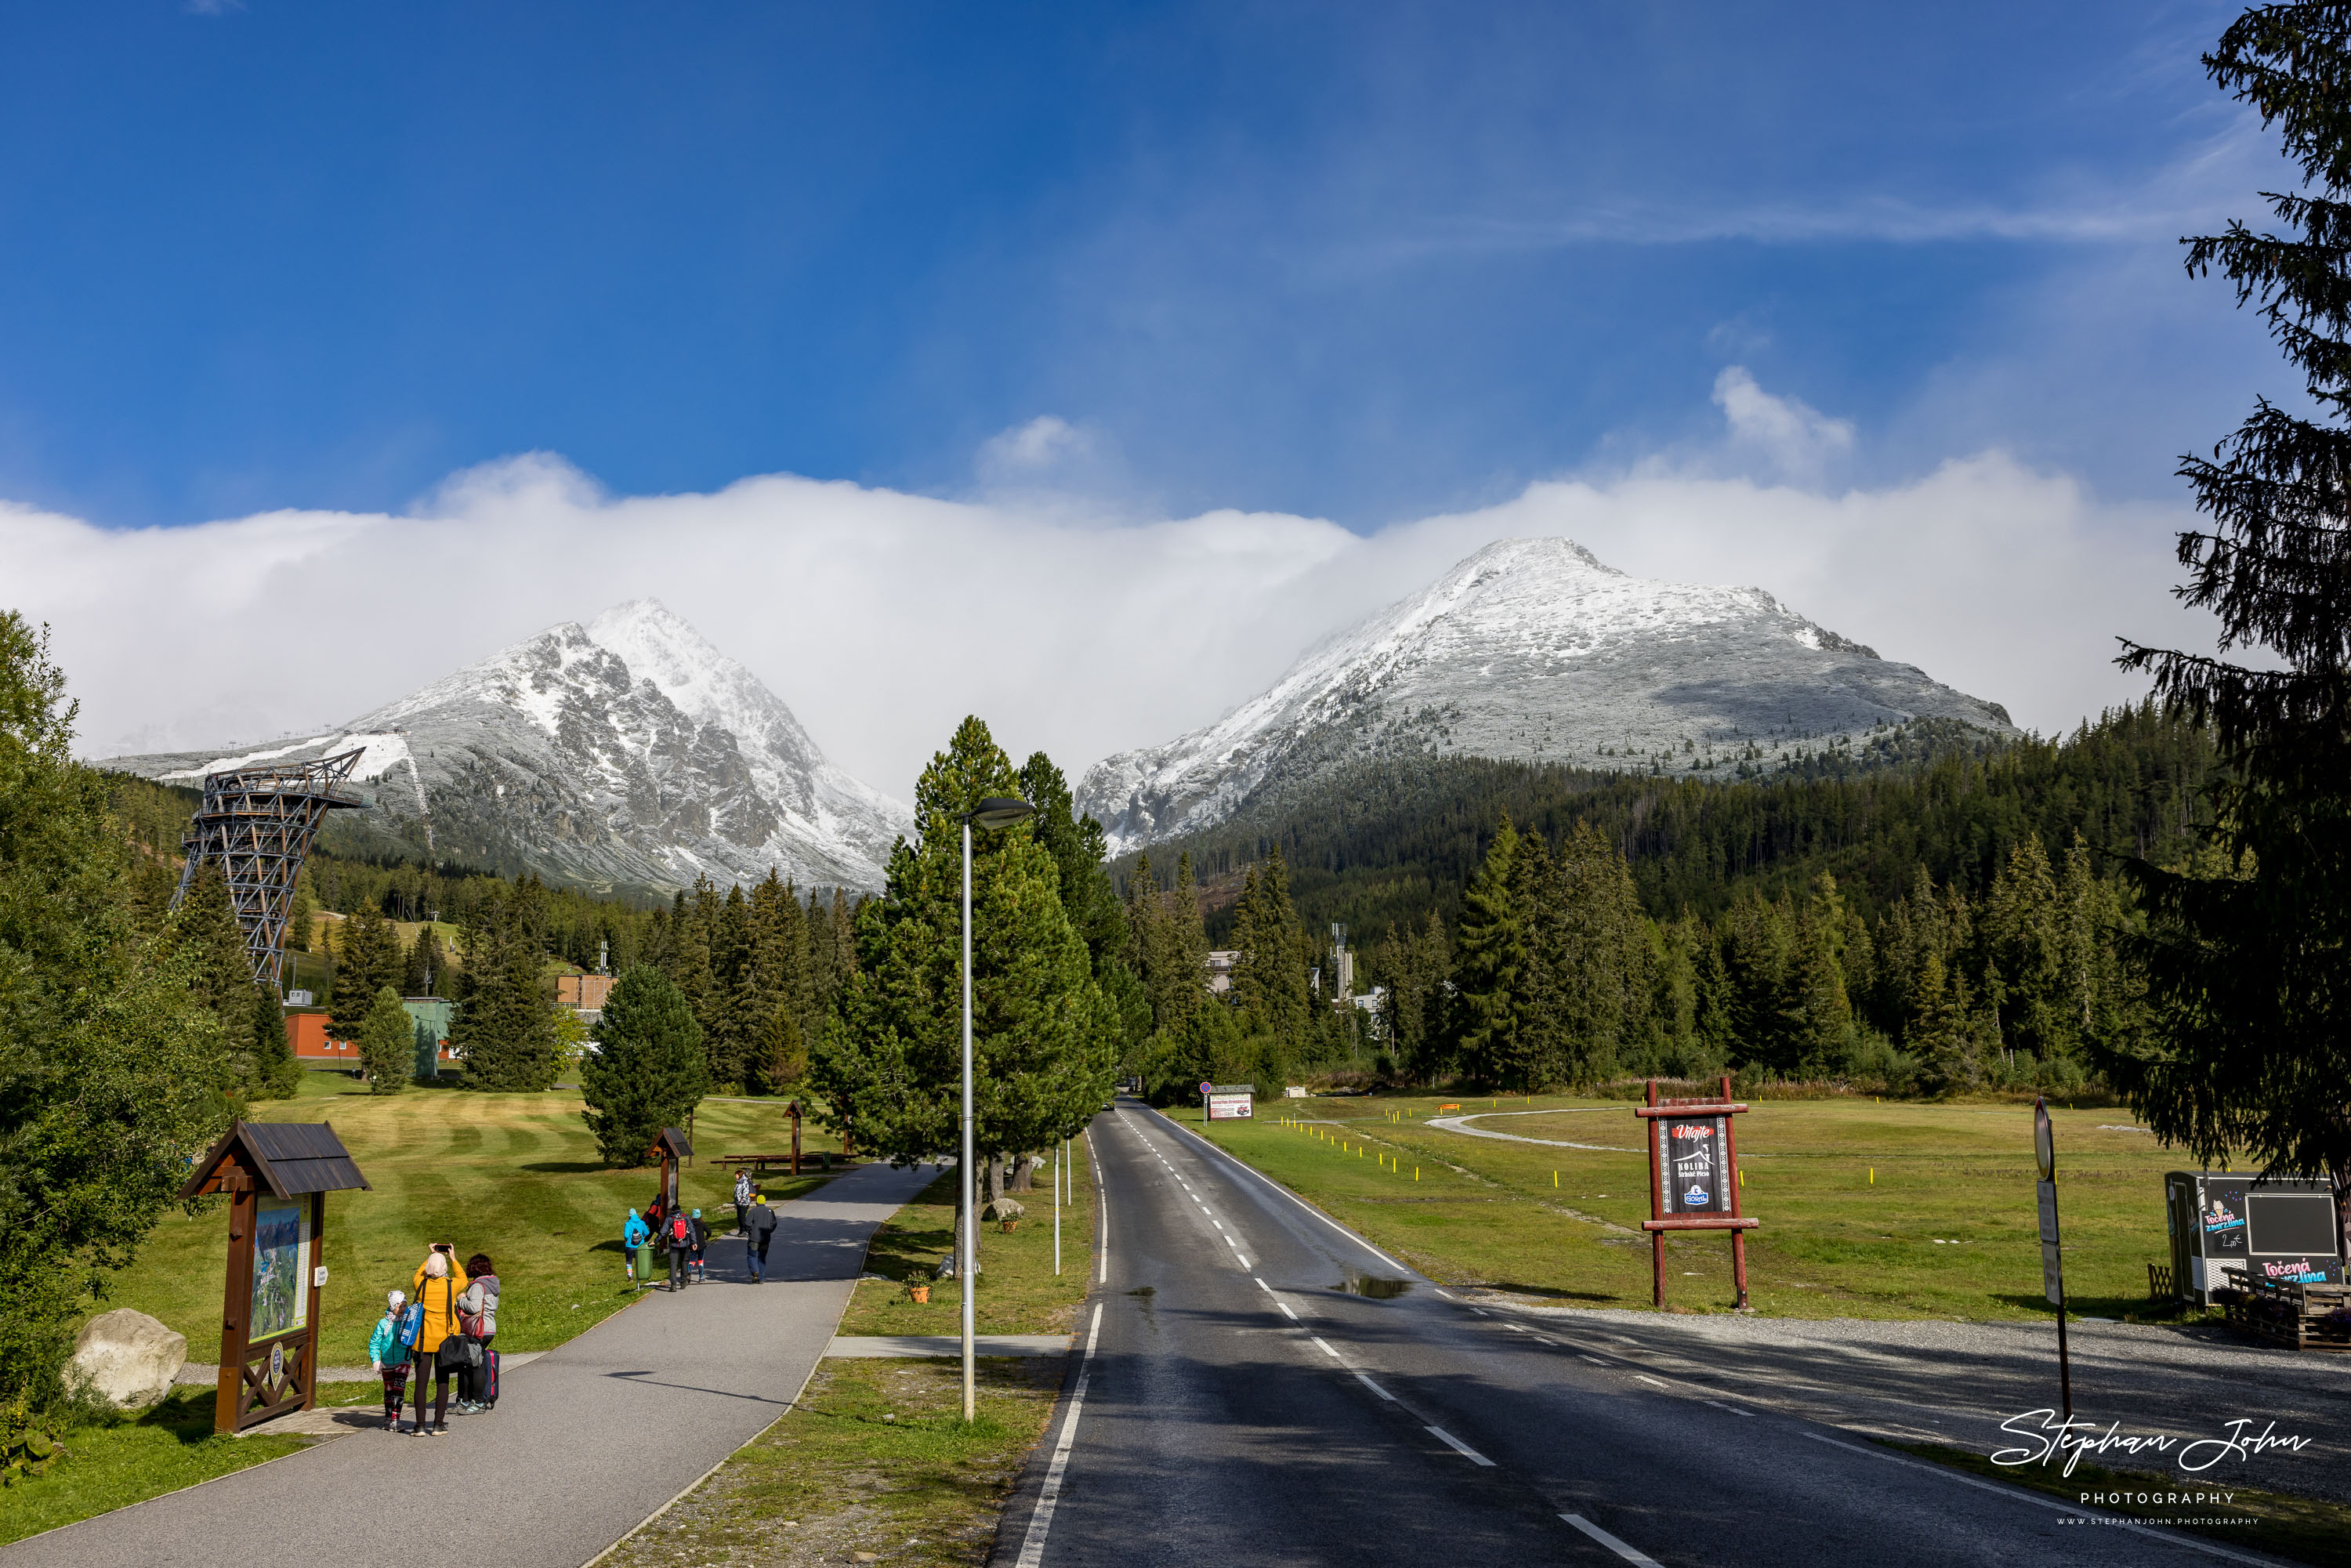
(670, 1146)
(1694, 1177)
(277, 1175)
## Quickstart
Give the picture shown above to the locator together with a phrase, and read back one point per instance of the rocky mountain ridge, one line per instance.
(1533, 649)
(625, 755)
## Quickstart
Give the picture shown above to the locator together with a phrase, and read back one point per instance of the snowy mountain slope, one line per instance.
(628, 753)
(1531, 649)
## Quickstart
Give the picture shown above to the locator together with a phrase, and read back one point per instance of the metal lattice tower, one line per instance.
(259, 823)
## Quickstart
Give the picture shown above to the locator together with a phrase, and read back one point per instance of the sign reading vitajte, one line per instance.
(1228, 1102)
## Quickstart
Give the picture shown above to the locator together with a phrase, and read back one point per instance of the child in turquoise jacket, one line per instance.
(635, 1234)
(390, 1357)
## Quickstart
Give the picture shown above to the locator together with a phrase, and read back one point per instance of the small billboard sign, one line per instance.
(1228, 1102)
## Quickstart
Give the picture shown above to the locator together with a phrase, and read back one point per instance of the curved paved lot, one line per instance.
(586, 1442)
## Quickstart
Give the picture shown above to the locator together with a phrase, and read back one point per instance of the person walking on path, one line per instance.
(478, 1311)
(438, 1282)
(635, 1237)
(678, 1237)
(694, 1272)
(759, 1229)
(742, 1197)
(389, 1357)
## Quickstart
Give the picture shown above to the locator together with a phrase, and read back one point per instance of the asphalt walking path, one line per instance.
(1261, 1387)
(587, 1441)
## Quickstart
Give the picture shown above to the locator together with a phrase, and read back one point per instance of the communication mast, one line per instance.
(258, 823)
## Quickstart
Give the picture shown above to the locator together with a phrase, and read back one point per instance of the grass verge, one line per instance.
(1870, 1211)
(875, 1463)
(117, 1463)
(2303, 1529)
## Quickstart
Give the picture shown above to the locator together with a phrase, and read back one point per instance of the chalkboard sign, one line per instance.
(1697, 1172)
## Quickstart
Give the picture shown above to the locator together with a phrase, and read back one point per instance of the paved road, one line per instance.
(586, 1442)
(1253, 1397)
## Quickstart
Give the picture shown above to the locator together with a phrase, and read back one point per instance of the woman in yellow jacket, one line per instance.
(439, 1280)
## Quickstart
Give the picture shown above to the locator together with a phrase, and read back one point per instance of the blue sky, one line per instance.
(1359, 261)
(406, 310)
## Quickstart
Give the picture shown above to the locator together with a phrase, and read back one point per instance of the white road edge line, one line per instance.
(1040, 1524)
(1375, 1389)
(1610, 1541)
(1734, 1409)
(1645, 1377)
(1462, 1448)
(2023, 1495)
(1273, 1186)
(1594, 1360)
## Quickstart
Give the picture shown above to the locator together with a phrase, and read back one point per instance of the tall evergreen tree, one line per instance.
(1042, 1033)
(221, 971)
(387, 1041)
(505, 1028)
(276, 1074)
(649, 1069)
(2249, 974)
(1269, 980)
(368, 959)
(1489, 949)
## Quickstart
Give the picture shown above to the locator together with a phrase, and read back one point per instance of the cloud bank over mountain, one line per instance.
(882, 617)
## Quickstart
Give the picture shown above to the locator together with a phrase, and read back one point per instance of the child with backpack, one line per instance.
(695, 1272)
(636, 1234)
(388, 1354)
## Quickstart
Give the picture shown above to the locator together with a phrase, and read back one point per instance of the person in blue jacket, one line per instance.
(390, 1357)
(635, 1234)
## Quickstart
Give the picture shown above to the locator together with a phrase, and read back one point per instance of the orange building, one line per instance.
(582, 993)
(306, 1032)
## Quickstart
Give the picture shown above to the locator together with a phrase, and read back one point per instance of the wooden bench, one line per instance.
(781, 1164)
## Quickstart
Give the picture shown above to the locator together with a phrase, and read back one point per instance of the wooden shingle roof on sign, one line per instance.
(672, 1142)
(288, 1158)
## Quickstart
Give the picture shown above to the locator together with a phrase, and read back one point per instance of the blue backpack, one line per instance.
(412, 1323)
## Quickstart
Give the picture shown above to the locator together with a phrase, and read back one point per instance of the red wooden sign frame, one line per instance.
(1656, 1112)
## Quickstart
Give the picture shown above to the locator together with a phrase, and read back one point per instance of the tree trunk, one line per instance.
(1023, 1170)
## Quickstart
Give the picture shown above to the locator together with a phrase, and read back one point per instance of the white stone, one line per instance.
(128, 1357)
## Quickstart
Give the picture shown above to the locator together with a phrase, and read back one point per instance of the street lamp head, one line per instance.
(998, 812)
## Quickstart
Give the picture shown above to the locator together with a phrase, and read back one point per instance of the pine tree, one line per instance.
(387, 1039)
(369, 959)
(2250, 975)
(889, 1062)
(648, 1070)
(424, 965)
(1270, 970)
(505, 1028)
(221, 970)
(276, 1075)
(1489, 949)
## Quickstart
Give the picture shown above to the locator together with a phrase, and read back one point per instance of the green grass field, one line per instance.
(1018, 1292)
(1870, 1211)
(514, 1176)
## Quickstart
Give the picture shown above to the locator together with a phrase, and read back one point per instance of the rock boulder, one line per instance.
(128, 1357)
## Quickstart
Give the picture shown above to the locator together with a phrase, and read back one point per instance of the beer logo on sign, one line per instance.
(1696, 1199)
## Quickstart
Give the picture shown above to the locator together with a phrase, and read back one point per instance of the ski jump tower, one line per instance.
(259, 823)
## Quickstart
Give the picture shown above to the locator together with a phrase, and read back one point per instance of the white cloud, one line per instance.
(1795, 438)
(1041, 443)
(883, 616)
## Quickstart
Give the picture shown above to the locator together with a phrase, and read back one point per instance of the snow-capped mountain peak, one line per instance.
(629, 752)
(1532, 648)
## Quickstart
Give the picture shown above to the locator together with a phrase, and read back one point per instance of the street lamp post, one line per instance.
(995, 811)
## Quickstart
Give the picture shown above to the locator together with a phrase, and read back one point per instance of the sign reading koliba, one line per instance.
(1228, 1102)
(1694, 1169)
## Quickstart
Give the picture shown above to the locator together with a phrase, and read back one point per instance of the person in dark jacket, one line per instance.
(677, 1235)
(695, 1247)
(759, 1229)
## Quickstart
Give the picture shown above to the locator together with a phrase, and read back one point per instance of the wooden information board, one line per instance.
(1694, 1177)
